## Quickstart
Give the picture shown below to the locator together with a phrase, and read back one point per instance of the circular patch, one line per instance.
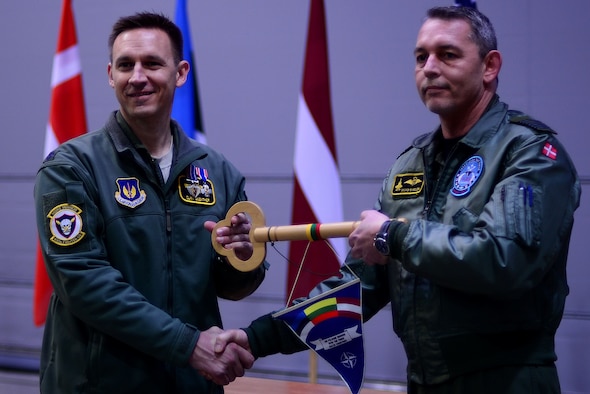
(65, 224)
(467, 176)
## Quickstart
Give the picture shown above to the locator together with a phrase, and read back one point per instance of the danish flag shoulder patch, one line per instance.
(550, 151)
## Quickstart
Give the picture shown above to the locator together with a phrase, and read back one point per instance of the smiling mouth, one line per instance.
(139, 94)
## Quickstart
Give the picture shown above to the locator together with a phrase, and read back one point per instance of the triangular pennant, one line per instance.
(331, 324)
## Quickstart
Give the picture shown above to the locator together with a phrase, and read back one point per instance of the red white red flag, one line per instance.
(67, 119)
(550, 151)
(317, 196)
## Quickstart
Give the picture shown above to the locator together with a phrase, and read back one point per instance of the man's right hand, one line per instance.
(227, 337)
(224, 366)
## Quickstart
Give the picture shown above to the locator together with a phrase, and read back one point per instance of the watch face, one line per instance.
(381, 244)
(380, 240)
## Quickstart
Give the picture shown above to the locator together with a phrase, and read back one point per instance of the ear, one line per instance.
(182, 72)
(492, 65)
(110, 74)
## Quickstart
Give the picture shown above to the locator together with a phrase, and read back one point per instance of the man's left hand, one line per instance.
(236, 236)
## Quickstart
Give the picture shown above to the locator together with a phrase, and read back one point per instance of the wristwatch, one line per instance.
(381, 240)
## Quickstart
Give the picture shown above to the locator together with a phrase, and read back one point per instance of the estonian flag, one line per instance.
(186, 109)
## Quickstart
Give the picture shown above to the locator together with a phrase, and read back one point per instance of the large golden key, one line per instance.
(260, 235)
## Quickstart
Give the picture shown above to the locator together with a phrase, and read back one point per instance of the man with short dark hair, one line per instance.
(121, 215)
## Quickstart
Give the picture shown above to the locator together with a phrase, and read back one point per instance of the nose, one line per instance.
(431, 67)
(138, 74)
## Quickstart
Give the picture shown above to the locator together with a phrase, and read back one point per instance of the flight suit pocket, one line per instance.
(521, 213)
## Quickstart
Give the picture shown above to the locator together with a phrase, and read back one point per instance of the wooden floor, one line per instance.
(28, 383)
(246, 385)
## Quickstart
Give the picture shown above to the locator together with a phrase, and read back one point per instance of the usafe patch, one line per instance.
(467, 176)
(65, 224)
(195, 187)
(409, 184)
(129, 194)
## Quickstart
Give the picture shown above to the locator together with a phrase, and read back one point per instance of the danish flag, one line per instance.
(67, 119)
(550, 151)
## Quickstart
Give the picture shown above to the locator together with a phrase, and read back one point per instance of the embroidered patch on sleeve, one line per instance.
(550, 151)
(410, 184)
(65, 224)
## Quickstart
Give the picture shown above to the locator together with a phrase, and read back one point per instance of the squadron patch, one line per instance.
(129, 194)
(195, 187)
(467, 176)
(65, 224)
(410, 184)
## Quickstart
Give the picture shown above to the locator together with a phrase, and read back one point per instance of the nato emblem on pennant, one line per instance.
(467, 176)
(196, 187)
(129, 194)
(65, 224)
(331, 324)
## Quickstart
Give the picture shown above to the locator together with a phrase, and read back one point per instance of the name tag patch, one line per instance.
(196, 187)
(409, 184)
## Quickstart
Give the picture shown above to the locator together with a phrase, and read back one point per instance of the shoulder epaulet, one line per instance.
(407, 149)
(524, 120)
(50, 156)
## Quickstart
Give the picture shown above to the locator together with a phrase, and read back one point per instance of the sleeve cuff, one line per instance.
(267, 335)
(396, 234)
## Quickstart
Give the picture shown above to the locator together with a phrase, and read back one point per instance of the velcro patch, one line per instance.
(409, 184)
(129, 194)
(196, 187)
(65, 224)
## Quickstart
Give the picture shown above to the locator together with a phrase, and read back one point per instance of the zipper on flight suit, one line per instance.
(427, 189)
(431, 191)
(170, 302)
(168, 223)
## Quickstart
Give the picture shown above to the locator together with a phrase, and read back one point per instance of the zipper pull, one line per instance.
(168, 220)
(426, 209)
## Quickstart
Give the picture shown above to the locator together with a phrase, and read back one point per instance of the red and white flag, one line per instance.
(317, 196)
(67, 119)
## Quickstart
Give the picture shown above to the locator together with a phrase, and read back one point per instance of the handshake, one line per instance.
(222, 355)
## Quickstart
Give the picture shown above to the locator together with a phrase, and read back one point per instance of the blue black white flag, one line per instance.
(331, 324)
(186, 109)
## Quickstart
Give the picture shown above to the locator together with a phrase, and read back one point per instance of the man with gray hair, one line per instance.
(469, 237)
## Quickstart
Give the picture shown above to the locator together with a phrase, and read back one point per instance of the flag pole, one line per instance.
(313, 367)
